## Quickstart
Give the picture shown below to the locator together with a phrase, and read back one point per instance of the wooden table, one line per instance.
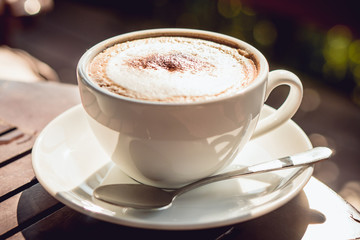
(27, 211)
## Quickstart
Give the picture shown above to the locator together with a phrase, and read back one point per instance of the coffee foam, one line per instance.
(172, 69)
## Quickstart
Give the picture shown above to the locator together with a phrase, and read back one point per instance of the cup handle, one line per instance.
(288, 108)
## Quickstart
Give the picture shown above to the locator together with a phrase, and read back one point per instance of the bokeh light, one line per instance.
(311, 100)
(354, 52)
(229, 8)
(327, 171)
(265, 33)
(335, 51)
(319, 140)
(32, 7)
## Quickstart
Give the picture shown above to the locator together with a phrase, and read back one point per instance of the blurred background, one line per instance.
(319, 40)
(317, 37)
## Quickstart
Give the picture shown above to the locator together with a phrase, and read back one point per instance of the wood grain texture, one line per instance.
(25, 109)
(15, 175)
(30, 106)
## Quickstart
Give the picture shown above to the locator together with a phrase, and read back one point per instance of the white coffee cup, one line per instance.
(168, 144)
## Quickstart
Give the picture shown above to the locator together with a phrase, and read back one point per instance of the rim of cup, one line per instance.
(259, 59)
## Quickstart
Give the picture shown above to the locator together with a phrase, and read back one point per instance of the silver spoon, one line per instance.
(142, 196)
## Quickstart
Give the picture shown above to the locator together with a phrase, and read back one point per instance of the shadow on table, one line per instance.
(61, 222)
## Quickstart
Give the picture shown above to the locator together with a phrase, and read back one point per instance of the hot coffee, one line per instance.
(172, 69)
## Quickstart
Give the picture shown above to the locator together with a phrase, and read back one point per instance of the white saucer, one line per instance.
(69, 164)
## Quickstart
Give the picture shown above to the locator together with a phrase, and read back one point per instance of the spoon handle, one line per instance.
(305, 158)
